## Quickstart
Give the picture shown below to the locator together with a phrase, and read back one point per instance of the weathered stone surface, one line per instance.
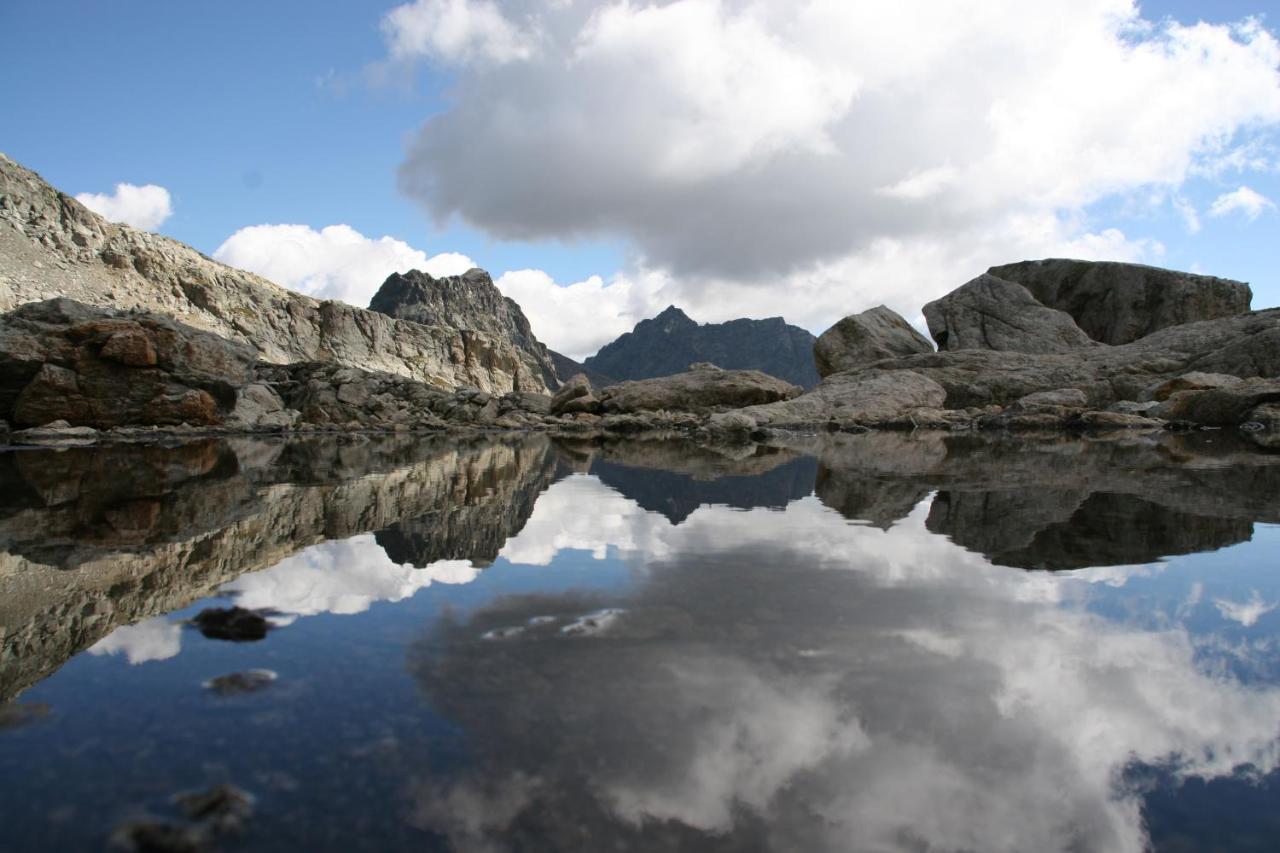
(862, 339)
(1118, 303)
(469, 301)
(1247, 345)
(1225, 406)
(870, 397)
(1194, 381)
(989, 313)
(574, 388)
(667, 343)
(52, 246)
(1065, 398)
(703, 387)
(154, 371)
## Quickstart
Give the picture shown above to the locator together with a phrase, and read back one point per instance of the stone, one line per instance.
(863, 398)
(239, 683)
(1193, 381)
(702, 388)
(863, 339)
(130, 347)
(232, 623)
(990, 313)
(1118, 303)
(224, 808)
(1062, 398)
(1227, 406)
(577, 386)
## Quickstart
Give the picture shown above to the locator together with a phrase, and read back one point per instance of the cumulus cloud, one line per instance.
(1244, 200)
(145, 207)
(770, 145)
(455, 31)
(152, 639)
(336, 262)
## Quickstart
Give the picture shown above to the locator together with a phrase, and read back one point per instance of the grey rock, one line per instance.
(989, 313)
(1064, 398)
(863, 339)
(867, 398)
(1193, 381)
(1226, 406)
(576, 388)
(1118, 303)
(702, 388)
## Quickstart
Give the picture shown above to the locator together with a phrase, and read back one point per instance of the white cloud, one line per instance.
(1247, 613)
(336, 262)
(1243, 200)
(345, 577)
(145, 207)
(758, 147)
(455, 31)
(152, 639)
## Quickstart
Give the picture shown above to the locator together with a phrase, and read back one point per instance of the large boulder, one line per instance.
(704, 387)
(61, 360)
(1117, 303)
(862, 339)
(1244, 346)
(990, 313)
(866, 398)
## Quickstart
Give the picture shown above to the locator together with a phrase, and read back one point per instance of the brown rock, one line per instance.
(130, 347)
(702, 388)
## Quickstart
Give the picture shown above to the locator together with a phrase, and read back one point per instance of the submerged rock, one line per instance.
(223, 808)
(239, 683)
(232, 623)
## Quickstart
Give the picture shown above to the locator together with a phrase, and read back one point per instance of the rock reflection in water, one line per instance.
(784, 680)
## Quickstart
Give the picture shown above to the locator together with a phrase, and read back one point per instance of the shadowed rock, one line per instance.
(862, 339)
(1117, 303)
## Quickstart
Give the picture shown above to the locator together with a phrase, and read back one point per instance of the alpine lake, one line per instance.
(841, 642)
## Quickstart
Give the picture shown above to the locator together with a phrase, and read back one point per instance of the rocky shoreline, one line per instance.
(116, 335)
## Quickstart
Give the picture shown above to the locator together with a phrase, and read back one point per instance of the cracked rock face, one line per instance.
(1116, 303)
(52, 246)
(990, 313)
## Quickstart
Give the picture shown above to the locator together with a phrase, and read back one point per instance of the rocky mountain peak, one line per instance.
(470, 302)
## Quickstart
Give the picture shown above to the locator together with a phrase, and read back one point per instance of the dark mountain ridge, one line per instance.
(671, 341)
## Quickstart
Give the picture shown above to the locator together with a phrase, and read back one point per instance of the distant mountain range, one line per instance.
(670, 342)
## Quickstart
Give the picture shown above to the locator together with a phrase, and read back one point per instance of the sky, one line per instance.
(606, 158)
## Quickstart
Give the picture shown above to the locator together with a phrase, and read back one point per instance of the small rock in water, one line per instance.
(238, 683)
(232, 623)
(502, 633)
(15, 715)
(224, 808)
(151, 835)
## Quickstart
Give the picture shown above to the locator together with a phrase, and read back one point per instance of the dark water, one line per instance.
(876, 642)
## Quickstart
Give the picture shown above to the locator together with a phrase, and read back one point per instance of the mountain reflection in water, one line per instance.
(845, 643)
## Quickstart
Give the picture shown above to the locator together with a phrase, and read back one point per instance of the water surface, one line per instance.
(875, 642)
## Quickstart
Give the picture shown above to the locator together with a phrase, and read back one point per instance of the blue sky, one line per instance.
(273, 113)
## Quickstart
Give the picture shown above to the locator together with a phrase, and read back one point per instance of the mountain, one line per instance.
(53, 246)
(670, 342)
(470, 302)
(567, 368)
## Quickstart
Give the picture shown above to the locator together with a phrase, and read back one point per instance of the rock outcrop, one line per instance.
(469, 302)
(860, 340)
(990, 313)
(52, 246)
(843, 400)
(61, 360)
(671, 341)
(1118, 303)
(702, 388)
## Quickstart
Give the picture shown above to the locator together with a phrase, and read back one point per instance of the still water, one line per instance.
(863, 643)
